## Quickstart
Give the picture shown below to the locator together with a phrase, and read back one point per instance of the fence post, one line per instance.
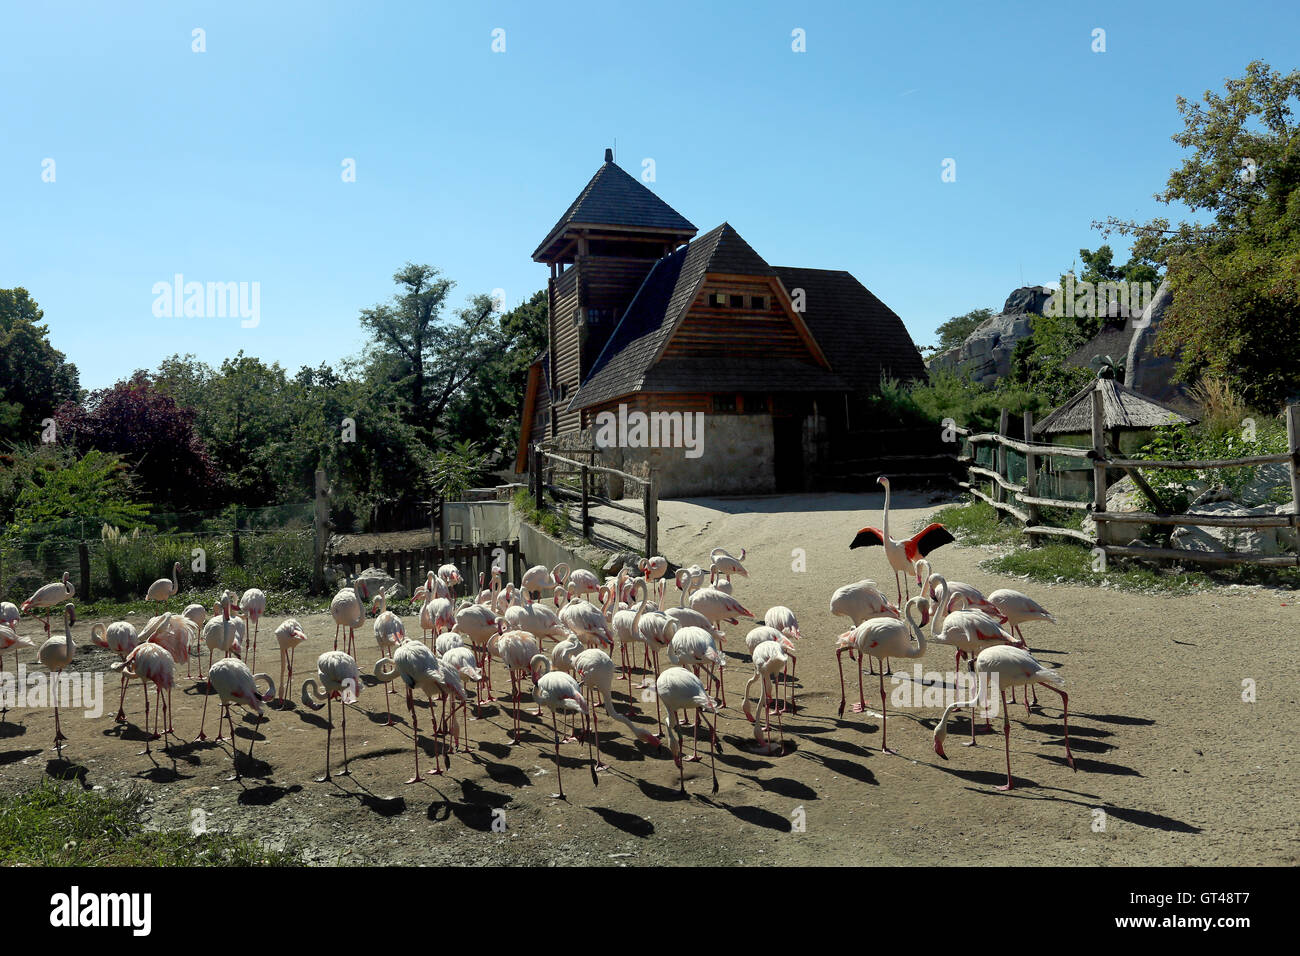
(651, 515)
(1000, 457)
(1293, 449)
(586, 506)
(539, 459)
(1099, 466)
(83, 559)
(1031, 475)
(320, 526)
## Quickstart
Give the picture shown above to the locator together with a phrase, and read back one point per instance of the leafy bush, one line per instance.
(1184, 442)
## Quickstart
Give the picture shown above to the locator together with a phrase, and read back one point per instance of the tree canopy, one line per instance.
(1234, 267)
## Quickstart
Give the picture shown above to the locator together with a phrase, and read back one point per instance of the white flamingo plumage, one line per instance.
(336, 677)
(56, 654)
(783, 619)
(769, 658)
(252, 605)
(465, 662)
(47, 596)
(289, 634)
(151, 663)
(681, 690)
(594, 669)
(221, 633)
(558, 691)
(349, 612)
(515, 649)
(1013, 667)
(882, 637)
(234, 683)
(165, 588)
(120, 638)
(420, 669)
(861, 601)
(9, 639)
(479, 623)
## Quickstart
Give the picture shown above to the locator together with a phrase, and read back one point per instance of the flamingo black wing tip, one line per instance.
(866, 538)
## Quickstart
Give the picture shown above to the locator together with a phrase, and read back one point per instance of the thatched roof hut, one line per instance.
(1122, 408)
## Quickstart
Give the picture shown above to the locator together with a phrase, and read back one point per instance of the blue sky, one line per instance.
(224, 166)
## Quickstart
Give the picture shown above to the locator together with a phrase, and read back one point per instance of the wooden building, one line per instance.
(771, 364)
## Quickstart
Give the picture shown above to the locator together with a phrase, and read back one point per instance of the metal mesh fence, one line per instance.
(269, 548)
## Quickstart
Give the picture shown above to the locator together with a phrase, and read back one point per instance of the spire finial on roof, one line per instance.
(609, 155)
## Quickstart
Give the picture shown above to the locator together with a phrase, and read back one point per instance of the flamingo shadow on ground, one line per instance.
(8, 730)
(507, 774)
(785, 787)
(61, 768)
(845, 746)
(759, 817)
(1149, 820)
(629, 823)
(479, 796)
(266, 795)
(658, 793)
(1084, 765)
(1124, 719)
(14, 756)
(736, 756)
(845, 768)
(622, 752)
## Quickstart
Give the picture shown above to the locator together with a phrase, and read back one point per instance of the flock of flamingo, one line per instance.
(584, 618)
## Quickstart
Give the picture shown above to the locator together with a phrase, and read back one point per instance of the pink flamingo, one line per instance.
(288, 635)
(152, 663)
(56, 654)
(49, 595)
(883, 637)
(516, 650)
(1012, 667)
(9, 638)
(120, 638)
(558, 691)
(902, 554)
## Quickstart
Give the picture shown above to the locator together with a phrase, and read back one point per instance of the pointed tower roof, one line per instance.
(614, 199)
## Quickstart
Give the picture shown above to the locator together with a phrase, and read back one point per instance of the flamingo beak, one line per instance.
(938, 748)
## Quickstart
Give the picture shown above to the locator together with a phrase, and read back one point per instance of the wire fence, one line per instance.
(270, 548)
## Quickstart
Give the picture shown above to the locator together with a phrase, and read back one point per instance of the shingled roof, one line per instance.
(1122, 408)
(615, 198)
(861, 337)
(627, 363)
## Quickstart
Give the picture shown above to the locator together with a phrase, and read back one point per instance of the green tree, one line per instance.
(957, 329)
(431, 356)
(67, 493)
(1235, 268)
(35, 377)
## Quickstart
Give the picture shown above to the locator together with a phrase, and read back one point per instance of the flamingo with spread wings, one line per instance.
(902, 554)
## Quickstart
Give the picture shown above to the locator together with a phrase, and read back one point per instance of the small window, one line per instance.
(564, 391)
(718, 300)
(456, 532)
(726, 405)
(600, 316)
(758, 303)
(737, 301)
(753, 403)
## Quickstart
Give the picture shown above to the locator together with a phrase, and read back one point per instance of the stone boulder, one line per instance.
(376, 580)
(985, 355)
(1255, 540)
(1122, 495)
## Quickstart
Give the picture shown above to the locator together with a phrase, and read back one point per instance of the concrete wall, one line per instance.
(541, 549)
(495, 520)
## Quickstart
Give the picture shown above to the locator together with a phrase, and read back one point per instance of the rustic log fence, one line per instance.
(1029, 501)
(571, 482)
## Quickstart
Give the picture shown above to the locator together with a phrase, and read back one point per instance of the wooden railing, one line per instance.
(555, 474)
(1103, 461)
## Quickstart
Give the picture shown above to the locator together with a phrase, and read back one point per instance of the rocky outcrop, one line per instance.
(985, 356)
(1145, 371)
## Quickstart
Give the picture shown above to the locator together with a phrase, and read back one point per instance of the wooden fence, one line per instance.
(571, 482)
(1103, 461)
(411, 566)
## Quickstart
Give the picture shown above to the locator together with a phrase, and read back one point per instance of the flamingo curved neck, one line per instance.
(886, 518)
(916, 631)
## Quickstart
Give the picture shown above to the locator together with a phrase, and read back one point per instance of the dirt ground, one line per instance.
(1181, 768)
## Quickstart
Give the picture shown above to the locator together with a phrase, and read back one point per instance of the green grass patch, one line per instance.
(544, 518)
(65, 825)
